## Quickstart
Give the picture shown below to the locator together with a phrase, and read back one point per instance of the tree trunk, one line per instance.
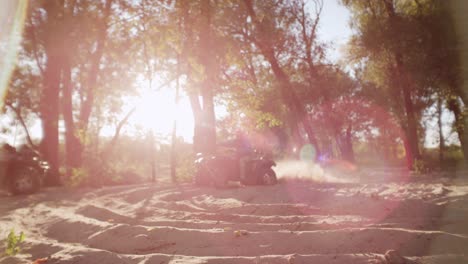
(207, 59)
(411, 130)
(346, 146)
(152, 157)
(204, 135)
(412, 148)
(49, 106)
(93, 74)
(454, 106)
(173, 162)
(174, 130)
(72, 142)
(300, 116)
(464, 119)
(458, 11)
(50, 115)
(197, 117)
(23, 124)
(409, 160)
(297, 112)
(296, 134)
(441, 133)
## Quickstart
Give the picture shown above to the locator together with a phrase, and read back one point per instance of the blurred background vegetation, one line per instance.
(397, 97)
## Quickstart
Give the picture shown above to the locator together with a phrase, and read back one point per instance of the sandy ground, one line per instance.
(340, 217)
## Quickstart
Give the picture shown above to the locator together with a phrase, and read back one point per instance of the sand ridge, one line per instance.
(292, 222)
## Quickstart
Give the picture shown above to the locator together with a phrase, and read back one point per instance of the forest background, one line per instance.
(101, 77)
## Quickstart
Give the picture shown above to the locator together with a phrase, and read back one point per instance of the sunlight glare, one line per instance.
(12, 16)
(156, 111)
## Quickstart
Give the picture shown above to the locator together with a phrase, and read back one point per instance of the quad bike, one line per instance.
(21, 172)
(218, 170)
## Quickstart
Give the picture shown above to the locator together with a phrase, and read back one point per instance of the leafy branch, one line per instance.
(13, 243)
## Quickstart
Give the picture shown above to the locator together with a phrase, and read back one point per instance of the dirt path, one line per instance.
(293, 222)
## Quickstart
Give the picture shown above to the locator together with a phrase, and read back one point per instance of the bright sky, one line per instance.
(334, 27)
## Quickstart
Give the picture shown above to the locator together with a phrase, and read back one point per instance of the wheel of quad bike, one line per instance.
(24, 181)
(268, 177)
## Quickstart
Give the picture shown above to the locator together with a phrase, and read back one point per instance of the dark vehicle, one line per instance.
(23, 171)
(217, 171)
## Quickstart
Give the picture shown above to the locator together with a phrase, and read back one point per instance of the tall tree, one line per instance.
(209, 76)
(51, 87)
(73, 83)
(390, 39)
(199, 60)
(261, 37)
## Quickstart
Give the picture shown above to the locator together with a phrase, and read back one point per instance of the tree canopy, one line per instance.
(262, 62)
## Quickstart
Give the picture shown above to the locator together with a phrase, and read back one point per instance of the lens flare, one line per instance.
(12, 16)
(308, 152)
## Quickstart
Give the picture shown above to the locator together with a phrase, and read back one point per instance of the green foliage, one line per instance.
(452, 158)
(420, 167)
(378, 153)
(78, 177)
(13, 242)
(268, 120)
(392, 42)
(145, 39)
(185, 167)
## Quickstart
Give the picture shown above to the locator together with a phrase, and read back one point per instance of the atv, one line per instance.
(218, 170)
(23, 171)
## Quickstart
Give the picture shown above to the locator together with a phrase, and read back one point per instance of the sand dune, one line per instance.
(354, 221)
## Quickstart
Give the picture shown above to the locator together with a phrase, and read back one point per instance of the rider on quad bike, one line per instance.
(239, 163)
(244, 151)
